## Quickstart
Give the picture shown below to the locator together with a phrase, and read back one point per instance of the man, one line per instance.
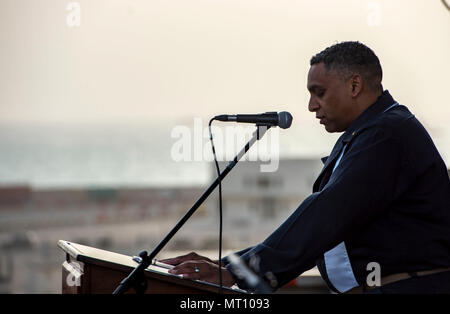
(382, 198)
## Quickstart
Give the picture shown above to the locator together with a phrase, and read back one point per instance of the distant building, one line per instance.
(249, 194)
(128, 220)
(255, 203)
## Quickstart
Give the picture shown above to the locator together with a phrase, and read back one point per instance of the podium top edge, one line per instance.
(68, 248)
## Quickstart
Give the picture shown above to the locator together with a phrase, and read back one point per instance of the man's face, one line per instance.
(331, 98)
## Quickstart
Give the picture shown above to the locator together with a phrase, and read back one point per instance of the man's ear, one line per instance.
(356, 84)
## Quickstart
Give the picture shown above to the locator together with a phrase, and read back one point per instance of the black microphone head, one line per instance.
(284, 119)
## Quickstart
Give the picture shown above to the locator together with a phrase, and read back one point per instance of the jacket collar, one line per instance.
(382, 103)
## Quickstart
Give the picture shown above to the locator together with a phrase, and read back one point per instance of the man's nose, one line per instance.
(312, 105)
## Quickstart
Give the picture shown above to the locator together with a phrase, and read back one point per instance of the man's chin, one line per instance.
(329, 128)
(332, 129)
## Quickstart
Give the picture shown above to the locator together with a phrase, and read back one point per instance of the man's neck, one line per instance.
(368, 100)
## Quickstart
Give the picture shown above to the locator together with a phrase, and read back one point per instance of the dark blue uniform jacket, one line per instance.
(388, 199)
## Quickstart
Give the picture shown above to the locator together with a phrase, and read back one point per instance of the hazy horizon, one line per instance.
(160, 64)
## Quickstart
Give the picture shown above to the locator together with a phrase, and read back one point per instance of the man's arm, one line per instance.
(360, 188)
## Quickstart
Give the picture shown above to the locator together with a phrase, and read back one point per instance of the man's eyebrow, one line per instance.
(314, 87)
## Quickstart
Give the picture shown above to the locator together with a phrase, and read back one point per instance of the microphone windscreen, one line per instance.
(284, 119)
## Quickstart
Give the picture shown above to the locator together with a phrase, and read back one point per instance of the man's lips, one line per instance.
(321, 118)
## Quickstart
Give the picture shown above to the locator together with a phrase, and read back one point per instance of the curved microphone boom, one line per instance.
(282, 119)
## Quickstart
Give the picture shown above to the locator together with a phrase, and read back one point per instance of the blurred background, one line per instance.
(92, 91)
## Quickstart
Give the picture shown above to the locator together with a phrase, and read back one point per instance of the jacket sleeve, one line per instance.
(359, 189)
(226, 261)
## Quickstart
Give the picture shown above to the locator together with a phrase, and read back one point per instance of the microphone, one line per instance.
(282, 119)
(244, 273)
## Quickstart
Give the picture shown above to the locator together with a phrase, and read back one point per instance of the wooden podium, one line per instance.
(88, 270)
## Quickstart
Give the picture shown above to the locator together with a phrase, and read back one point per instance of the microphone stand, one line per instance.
(136, 278)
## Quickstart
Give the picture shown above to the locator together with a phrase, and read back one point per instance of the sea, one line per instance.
(89, 155)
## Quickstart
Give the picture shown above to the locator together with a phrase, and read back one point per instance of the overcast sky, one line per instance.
(150, 59)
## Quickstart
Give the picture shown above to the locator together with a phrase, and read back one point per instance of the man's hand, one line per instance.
(183, 258)
(197, 267)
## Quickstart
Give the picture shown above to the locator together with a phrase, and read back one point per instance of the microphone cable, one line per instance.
(220, 205)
